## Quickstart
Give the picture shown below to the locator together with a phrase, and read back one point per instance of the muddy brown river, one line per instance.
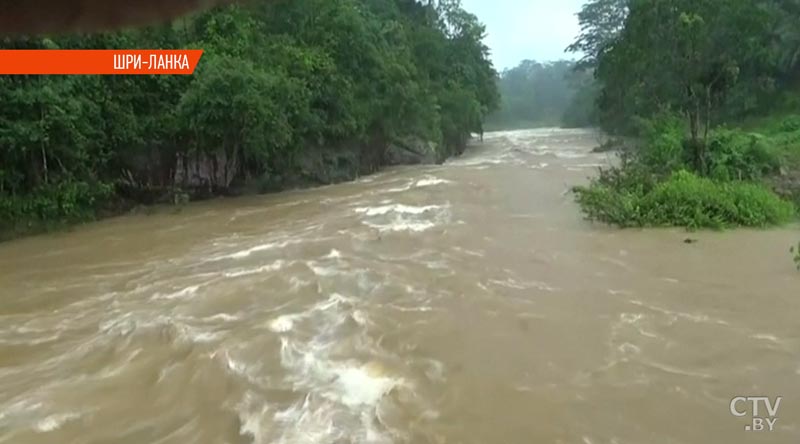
(467, 303)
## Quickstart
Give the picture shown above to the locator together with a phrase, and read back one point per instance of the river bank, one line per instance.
(204, 177)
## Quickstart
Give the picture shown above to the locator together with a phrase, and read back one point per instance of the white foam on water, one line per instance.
(427, 181)
(431, 181)
(198, 336)
(516, 285)
(296, 283)
(252, 414)
(399, 217)
(235, 366)
(54, 422)
(275, 266)
(396, 208)
(286, 322)
(180, 294)
(19, 410)
(627, 348)
(305, 423)
(334, 254)
(483, 162)
(323, 271)
(360, 317)
(396, 226)
(677, 371)
(349, 390)
(469, 252)
(245, 253)
(508, 283)
(435, 370)
(405, 187)
(675, 315)
(360, 385)
(569, 155)
(341, 394)
(224, 317)
(766, 337)
(418, 308)
(241, 254)
(283, 324)
(168, 327)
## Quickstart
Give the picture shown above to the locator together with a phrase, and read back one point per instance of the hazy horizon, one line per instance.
(527, 29)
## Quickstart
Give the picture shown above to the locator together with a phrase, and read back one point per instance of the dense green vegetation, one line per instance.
(707, 88)
(537, 94)
(278, 80)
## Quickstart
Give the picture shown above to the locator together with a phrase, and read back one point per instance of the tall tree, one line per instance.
(601, 23)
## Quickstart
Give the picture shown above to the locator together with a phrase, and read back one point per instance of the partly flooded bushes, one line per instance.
(685, 200)
(50, 205)
(659, 183)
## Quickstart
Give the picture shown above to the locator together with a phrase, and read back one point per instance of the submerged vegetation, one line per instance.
(683, 199)
(286, 92)
(707, 90)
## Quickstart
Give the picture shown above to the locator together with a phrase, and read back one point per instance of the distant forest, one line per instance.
(535, 94)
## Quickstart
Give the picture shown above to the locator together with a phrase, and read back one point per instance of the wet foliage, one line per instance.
(707, 89)
(277, 78)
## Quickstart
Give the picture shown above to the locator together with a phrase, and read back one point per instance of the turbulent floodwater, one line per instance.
(467, 303)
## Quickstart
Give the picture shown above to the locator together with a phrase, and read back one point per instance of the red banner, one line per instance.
(99, 61)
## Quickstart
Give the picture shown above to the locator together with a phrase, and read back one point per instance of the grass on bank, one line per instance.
(657, 185)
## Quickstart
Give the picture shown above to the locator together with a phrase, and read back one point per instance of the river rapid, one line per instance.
(466, 303)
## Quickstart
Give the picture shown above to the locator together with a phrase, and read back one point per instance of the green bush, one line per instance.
(686, 200)
(60, 202)
(737, 155)
(602, 203)
(664, 153)
(790, 123)
(663, 148)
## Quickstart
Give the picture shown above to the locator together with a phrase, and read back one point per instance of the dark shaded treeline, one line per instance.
(287, 92)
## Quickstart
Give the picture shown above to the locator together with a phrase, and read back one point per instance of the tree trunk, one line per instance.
(708, 115)
(41, 145)
(44, 165)
(697, 145)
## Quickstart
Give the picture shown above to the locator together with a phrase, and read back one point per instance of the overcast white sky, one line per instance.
(527, 29)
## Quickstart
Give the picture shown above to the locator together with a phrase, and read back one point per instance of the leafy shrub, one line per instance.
(68, 201)
(663, 150)
(691, 201)
(790, 123)
(686, 200)
(736, 155)
(621, 207)
(665, 153)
